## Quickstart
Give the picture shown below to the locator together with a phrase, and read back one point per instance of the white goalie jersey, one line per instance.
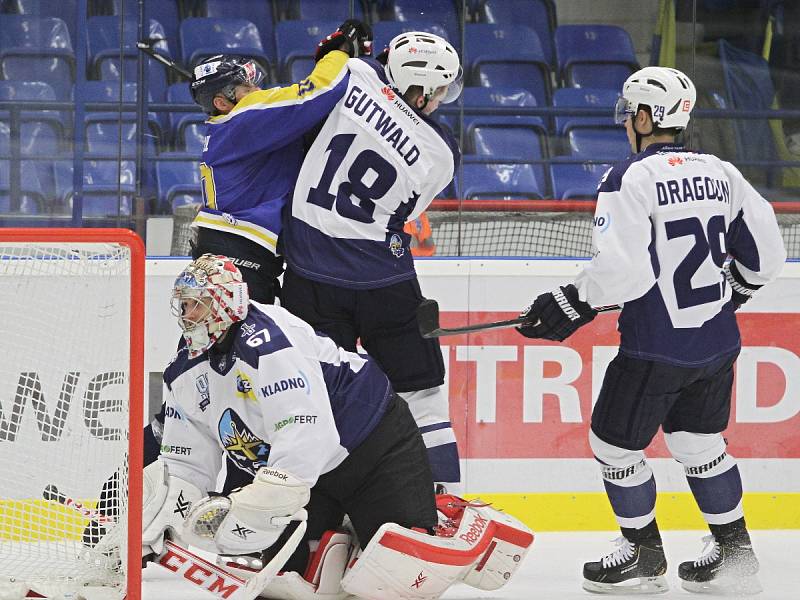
(666, 221)
(375, 164)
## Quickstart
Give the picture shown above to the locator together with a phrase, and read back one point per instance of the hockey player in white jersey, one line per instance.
(321, 433)
(377, 162)
(682, 240)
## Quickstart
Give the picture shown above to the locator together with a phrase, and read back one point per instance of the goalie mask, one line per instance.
(208, 297)
(669, 93)
(426, 60)
(220, 75)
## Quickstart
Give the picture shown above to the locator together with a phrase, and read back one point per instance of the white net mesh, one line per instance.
(64, 418)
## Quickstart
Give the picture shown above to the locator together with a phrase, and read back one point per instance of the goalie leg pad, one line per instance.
(484, 551)
(323, 577)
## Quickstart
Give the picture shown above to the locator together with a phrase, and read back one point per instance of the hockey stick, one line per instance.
(146, 46)
(428, 320)
(195, 569)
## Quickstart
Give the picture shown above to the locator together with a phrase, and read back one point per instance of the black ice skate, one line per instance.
(633, 568)
(727, 566)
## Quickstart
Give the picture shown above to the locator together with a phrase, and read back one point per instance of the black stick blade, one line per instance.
(428, 317)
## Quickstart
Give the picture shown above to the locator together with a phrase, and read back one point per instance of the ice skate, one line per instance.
(726, 567)
(633, 568)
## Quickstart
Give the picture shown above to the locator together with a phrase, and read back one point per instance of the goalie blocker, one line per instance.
(474, 543)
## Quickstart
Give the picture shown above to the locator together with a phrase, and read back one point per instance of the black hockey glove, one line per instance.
(556, 315)
(741, 291)
(352, 37)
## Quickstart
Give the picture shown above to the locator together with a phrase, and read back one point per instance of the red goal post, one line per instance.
(542, 228)
(71, 411)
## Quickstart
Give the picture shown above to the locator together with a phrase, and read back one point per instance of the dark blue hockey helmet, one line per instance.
(221, 74)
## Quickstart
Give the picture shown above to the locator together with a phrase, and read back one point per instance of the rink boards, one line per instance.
(521, 408)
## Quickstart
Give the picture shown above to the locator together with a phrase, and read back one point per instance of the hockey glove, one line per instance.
(352, 37)
(741, 291)
(556, 315)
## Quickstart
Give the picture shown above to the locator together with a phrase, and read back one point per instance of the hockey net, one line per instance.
(542, 228)
(71, 387)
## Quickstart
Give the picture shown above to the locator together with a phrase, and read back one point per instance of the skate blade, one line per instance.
(637, 585)
(725, 586)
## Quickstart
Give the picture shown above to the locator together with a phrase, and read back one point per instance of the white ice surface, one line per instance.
(552, 569)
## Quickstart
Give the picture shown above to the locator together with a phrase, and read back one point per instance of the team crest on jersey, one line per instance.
(245, 449)
(244, 388)
(396, 245)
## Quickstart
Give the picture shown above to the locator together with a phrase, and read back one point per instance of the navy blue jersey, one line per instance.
(375, 164)
(252, 155)
(665, 222)
(279, 396)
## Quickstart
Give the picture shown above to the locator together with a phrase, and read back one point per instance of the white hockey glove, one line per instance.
(166, 502)
(252, 518)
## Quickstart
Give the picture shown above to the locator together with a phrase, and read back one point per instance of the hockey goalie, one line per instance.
(323, 436)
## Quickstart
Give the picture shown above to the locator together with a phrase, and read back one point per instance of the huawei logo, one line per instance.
(388, 92)
(675, 160)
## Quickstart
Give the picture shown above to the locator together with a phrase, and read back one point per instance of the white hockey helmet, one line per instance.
(670, 94)
(208, 297)
(426, 60)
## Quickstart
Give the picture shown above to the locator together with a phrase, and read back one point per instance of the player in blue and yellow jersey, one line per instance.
(253, 150)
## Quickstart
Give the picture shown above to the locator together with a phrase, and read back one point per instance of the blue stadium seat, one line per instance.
(575, 180)
(30, 198)
(441, 12)
(594, 55)
(37, 49)
(108, 136)
(202, 37)
(178, 182)
(498, 181)
(749, 86)
(109, 92)
(257, 12)
(601, 144)
(504, 141)
(584, 98)
(507, 56)
(103, 44)
(297, 42)
(165, 12)
(108, 186)
(324, 10)
(488, 98)
(191, 137)
(37, 91)
(385, 31)
(539, 15)
(36, 138)
(66, 10)
(178, 93)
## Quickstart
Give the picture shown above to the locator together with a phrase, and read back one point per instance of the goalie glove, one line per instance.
(741, 291)
(352, 37)
(556, 315)
(252, 518)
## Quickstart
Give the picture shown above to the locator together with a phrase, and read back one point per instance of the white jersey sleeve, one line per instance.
(187, 446)
(620, 269)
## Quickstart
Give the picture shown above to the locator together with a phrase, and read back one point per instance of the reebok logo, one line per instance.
(475, 530)
(274, 473)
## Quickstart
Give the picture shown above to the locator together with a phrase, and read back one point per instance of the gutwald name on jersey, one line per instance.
(360, 103)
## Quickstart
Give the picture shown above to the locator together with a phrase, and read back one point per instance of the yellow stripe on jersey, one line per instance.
(326, 74)
(207, 186)
(259, 235)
